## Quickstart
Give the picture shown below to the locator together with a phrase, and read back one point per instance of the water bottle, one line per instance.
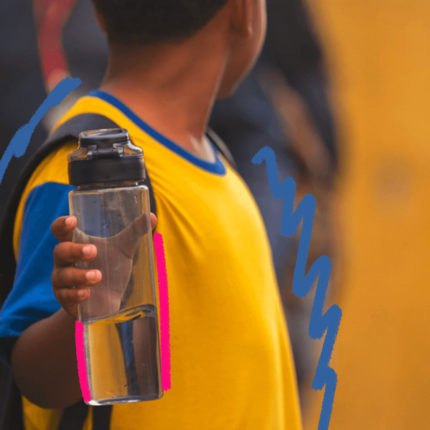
(111, 204)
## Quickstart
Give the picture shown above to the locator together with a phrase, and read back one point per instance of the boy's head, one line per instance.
(144, 22)
(137, 23)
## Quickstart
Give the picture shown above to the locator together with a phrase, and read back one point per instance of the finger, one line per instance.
(68, 277)
(62, 228)
(153, 221)
(66, 253)
(69, 298)
(137, 228)
(127, 241)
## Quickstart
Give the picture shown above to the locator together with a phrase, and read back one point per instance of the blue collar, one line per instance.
(216, 167)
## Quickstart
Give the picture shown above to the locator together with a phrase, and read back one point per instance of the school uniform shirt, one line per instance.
(231, 361)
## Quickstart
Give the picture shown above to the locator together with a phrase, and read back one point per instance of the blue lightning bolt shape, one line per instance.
(320, 322)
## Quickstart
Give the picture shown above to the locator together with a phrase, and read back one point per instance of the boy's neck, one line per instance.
(171, 87)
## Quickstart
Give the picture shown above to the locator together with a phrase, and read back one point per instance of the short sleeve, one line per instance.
(32, 298)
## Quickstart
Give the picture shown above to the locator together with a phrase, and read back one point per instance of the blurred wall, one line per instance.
(379, 54)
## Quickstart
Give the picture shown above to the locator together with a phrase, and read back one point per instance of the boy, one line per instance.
(231, 360)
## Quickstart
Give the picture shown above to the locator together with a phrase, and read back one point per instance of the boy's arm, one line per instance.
(44, 362)
(44, 357)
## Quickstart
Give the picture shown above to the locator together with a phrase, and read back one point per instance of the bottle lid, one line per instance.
(106, 156)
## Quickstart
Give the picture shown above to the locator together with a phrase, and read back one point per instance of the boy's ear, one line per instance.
(242, 16)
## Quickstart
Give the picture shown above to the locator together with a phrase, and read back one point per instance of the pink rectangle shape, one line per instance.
(164, 312)
(82, 364)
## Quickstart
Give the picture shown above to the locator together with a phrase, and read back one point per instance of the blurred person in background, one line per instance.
(284, 103)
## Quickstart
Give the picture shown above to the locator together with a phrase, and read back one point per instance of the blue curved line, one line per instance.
(20, 141)
(320, 322)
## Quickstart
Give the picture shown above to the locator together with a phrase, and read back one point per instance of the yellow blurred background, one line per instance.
(379, 59)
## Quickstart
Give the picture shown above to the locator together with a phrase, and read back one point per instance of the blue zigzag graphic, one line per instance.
(302, 282)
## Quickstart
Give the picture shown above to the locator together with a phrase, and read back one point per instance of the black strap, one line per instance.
(74, 417)
(10, 401)
(67, 132)
(71, 129)
(222, 147)
(101, 417)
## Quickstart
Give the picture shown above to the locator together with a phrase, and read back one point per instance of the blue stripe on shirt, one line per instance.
(32, 298)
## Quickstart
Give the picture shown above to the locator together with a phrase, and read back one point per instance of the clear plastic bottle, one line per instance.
(121, 339)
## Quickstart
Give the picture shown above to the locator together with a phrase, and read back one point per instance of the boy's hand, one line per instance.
(71, 285)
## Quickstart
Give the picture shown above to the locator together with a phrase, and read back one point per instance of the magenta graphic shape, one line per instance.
(163, 294)
(82, 365)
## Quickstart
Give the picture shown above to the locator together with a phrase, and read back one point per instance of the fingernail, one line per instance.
(88, 250)
(69, 221)
(82, 294)
(93, 275)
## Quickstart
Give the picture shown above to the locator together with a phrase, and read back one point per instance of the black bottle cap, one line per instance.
(104, 157)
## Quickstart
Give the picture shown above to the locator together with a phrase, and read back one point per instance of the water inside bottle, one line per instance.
(122, 357)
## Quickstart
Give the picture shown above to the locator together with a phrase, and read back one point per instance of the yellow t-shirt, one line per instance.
(231, 361)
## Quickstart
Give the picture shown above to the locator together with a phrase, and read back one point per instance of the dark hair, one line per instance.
(149, 21)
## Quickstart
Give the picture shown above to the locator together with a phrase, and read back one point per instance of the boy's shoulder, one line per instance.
(155, 144)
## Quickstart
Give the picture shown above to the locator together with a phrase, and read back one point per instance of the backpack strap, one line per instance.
(222, 147)
(10, 401)
(74, 417)
(67, 132)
